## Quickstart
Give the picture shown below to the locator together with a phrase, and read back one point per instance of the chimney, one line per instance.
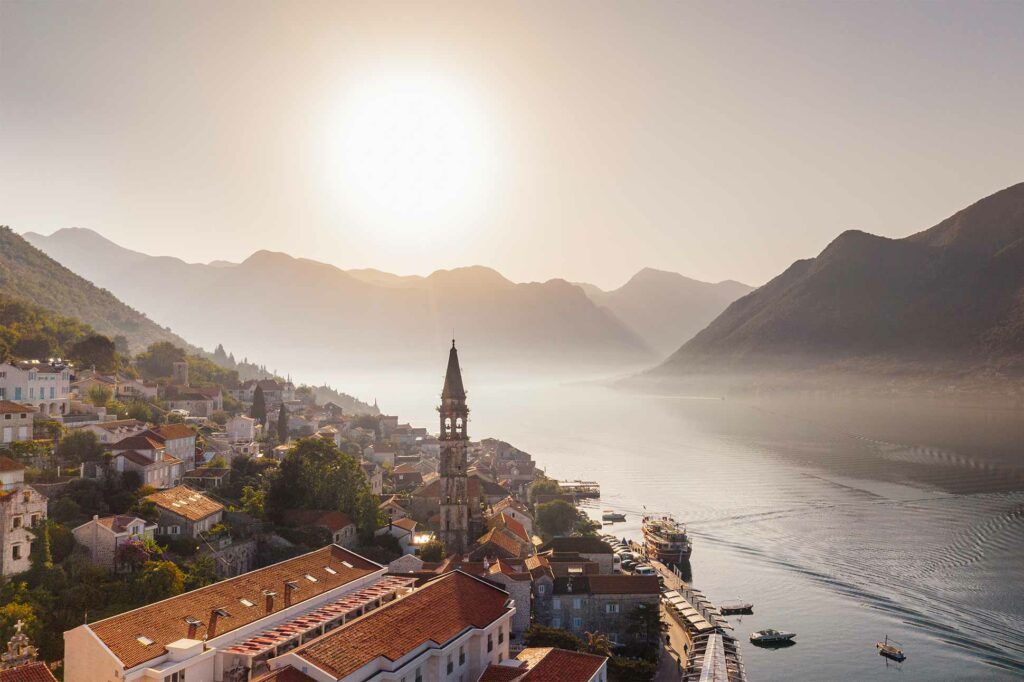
(269, 600)
(193, 626)
(289, 585)
(215, 615)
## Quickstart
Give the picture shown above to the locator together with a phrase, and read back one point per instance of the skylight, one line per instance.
(143, 640)
(246, 602)
(347, 564)
(310, 578)
(330, 570)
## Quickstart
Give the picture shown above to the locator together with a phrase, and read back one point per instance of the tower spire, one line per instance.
(453, 388)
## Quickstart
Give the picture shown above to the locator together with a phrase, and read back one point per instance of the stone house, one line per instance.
(598, 603)
(21, 508)
(102, 536)
(184, 511)
(146, 454)
(588, 547)
(15, 422)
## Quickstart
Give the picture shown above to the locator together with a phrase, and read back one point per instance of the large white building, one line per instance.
(228, 631)
(15, 422)
(43, 385)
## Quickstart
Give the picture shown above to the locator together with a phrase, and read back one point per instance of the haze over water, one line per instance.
(840, 522)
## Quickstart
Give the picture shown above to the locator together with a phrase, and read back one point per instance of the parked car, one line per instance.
(645, 570)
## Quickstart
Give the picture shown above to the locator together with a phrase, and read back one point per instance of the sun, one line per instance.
(407, 148)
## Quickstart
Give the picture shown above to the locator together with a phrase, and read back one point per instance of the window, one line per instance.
(451, 666)
(541, 589)
(490, 642)
(330, 570)
(577, 603)
(16, 552)
(462, 655)
(175, 677)
(501, 635)
(26, 496)
(35, 519)
(611, 608)
(143, 640)
(246, 602)
(577, 623)
(556, 604)
(501, 657)
(16, 522)
(556, 622)
(419, 674)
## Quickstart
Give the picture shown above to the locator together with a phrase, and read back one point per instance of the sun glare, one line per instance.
(406, 149)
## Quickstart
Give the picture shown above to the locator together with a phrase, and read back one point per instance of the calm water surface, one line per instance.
(841, 522)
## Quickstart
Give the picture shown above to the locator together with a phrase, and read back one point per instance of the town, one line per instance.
(163, 519)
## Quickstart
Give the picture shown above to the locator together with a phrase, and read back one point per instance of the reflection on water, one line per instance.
(840, 522)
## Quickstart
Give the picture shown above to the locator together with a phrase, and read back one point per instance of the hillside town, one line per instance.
(156, 526)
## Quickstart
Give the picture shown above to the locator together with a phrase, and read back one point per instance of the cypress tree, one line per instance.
(259, 406)
(282, 425)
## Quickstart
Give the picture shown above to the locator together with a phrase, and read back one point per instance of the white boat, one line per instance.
(890, 650)
(771, 636)
(736, 606)
(665, 540)
(610, 515)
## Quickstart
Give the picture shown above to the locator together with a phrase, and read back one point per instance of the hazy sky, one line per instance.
(582, 140)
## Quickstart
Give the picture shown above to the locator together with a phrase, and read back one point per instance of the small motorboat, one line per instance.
(890, 651)
(737, 606)
(772, 637)
(609, 515)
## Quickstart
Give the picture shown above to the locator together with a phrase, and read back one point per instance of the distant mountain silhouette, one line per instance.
(28, 274)
(274, 306)
(945, 301)
(666, 308)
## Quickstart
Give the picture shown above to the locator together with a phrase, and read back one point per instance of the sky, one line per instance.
(580, 140)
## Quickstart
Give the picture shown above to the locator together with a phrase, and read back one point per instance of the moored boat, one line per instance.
(737, 606)
(610, 515)
(772, 636)
(890, 650)
(666, 540)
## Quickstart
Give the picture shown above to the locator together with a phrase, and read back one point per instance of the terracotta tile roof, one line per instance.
(517, 528)
(164, 622)
(404, 469)
(136, 457)
(608, 584)
(509, 503)
(174, 431)
(8, 464)
(7, 407)
(503, 539)
(31, 672)
(437, 612)
(405, 524)
(119, 523)
(502, 673)
(185, 502)
(547, 664)
(286, 674)
(147, 440)
(329, 519)
(504, 567)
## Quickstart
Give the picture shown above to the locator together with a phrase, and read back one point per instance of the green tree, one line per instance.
(540, 636)
(200, 572)
(556, 517)
(100, 395)
(96, 351)
(160, 580)
(34, 346)
(258, 411)
(316, 475)
(11, 613)
(433, 551)
(254, 501)
(542, 486)
(79, 446)
(282, 424)
(140, 410)
(157, 361)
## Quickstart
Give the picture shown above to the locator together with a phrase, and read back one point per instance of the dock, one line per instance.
(581, 489)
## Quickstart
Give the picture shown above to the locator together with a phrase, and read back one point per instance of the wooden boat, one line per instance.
(609, 515)
(730, 607)
(890, 650)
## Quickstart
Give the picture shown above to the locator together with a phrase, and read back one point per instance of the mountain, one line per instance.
(281, 308)
(666, 308)
(29, 275)
(948, 301)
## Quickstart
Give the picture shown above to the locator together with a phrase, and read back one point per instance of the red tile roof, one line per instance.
(502, 673)
(517, 528)
(136, 457)
(31, 672)
(185, 502)
(164, 621)
(547, 664)
(147, 440)
(437, 612)
(8, 464)
(175, 431)
(286, 674)
(501, 538)
(331, 520)
(7, 407)
(120, 523)
(207, 472)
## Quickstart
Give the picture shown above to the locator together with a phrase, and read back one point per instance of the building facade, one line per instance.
(45, 386)
(15, 422)
(21, 508)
